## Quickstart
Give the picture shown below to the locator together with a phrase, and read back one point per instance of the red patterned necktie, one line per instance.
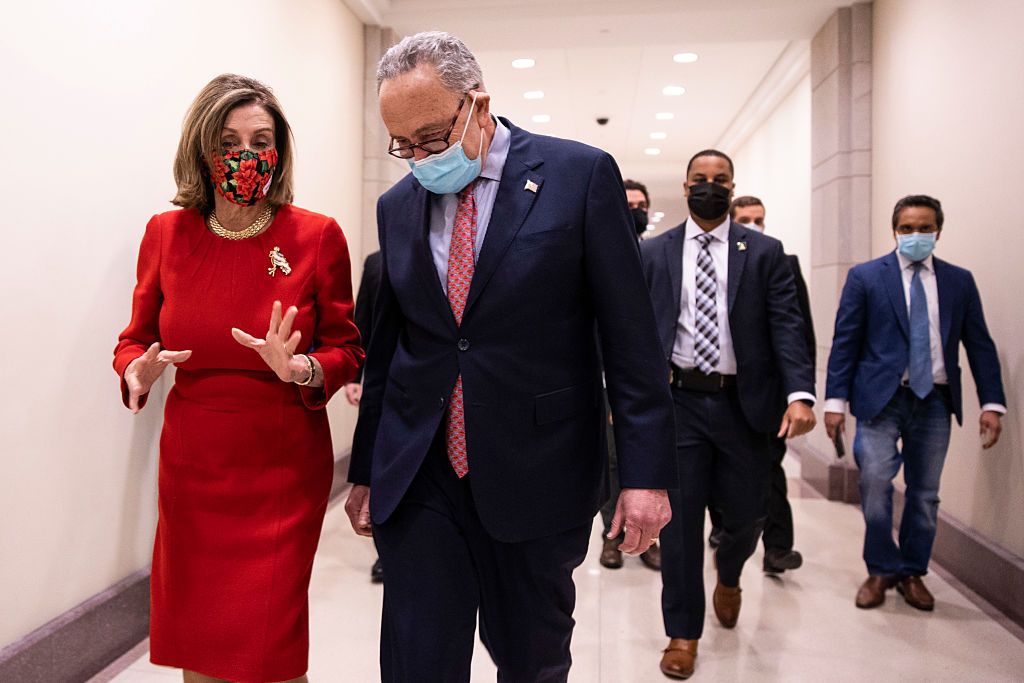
(460, 275)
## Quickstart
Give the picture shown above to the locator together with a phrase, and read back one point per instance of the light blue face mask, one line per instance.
(917, 246)
(451, 170)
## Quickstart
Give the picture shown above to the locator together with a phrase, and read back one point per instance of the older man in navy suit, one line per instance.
(733, 342)
(477, 459)
(895, 363)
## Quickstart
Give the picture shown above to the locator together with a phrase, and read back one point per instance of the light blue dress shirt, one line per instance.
(443, 206)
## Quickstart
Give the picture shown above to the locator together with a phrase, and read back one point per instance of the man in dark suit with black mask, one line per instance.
(732, 341)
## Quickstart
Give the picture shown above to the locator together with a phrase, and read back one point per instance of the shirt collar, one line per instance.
(494, 164)
(906, 263)
(720, 233)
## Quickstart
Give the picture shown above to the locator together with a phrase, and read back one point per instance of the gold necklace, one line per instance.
(257, 226)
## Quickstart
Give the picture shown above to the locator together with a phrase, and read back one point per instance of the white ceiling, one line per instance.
(596, 58)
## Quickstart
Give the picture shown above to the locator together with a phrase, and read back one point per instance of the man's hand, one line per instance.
(799, 419)
(357, 507)
(991, 427)
(642, 513)
(834, 421)
(353, 393)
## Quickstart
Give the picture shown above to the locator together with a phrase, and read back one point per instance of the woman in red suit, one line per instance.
(245, 454)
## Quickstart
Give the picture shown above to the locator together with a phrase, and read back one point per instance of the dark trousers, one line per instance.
(443, 568)
(721, 457)
(778, 526)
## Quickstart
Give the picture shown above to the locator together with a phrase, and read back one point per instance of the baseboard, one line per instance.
(834, 479)
(981, 564)
(83, 641)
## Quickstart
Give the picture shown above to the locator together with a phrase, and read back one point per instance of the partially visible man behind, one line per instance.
(895, 363)
(639, 203)
(480, 423)
(777, 538)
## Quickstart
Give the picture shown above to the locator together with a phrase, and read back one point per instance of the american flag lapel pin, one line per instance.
(741, 246)
(531, 186)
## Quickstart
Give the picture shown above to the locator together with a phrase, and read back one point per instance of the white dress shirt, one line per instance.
(931, 295)
(683, 350)
(443, 207)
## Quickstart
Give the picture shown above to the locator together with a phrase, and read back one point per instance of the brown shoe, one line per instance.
(611, 556)
(652, 557)
(679, 658)
(872, 591)
(913, 590)
(727, 603)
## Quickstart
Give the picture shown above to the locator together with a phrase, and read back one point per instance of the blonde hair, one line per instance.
(201, 136)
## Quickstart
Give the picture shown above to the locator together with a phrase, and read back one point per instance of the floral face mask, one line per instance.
(243, 177)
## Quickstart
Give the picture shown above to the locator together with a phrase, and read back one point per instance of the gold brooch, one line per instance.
(277, 260)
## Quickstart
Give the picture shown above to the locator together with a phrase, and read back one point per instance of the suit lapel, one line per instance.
(894, 286)
(674, 245)
(423, 259)
(737, 260)
(942, 284)
(511, 206)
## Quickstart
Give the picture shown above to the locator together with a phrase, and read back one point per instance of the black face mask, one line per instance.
(639, 220)
(709, 200)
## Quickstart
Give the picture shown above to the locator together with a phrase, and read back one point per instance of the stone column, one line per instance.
(380, 170)
(840, 209)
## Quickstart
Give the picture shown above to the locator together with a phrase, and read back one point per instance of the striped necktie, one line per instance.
(705, 341)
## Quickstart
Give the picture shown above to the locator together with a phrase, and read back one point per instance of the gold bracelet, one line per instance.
(312, 371)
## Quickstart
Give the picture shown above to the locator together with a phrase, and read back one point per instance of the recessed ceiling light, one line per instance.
(652, 151)
(534, 94)
(659, 214)
(656, 219)
(650, 227)
(541, 118)
(673, 90)
(664, 116)
(659, 136)
(685, 58)
(523, 63)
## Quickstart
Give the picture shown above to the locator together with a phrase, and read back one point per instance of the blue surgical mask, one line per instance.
(451, 170)
(917, 246)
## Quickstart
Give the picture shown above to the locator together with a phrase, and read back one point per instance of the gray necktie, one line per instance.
(705, 340)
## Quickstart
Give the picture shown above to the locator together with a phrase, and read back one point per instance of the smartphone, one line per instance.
(837, 441)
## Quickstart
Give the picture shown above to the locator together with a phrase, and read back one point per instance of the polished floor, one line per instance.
(802, 627)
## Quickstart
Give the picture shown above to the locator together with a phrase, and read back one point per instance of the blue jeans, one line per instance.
(923, 426)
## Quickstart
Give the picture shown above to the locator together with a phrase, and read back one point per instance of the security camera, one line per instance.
(602, 120)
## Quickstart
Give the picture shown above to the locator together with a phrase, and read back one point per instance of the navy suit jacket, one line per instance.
(871, 345)
(559, 262)
(764, 317)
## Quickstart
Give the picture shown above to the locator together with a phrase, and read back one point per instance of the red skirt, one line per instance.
(245, 476)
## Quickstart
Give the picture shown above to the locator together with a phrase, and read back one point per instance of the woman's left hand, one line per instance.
(278, 349)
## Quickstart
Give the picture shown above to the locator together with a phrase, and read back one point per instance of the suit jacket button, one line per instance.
(463, 345)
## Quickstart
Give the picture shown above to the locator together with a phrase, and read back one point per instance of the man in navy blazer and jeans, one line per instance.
(895, 363)
(732, 343)
(477, 459)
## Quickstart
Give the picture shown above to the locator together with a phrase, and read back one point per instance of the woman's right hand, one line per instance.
(142, 372)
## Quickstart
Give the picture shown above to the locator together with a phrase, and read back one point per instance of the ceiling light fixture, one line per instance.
(534, 94)
(652, 151)
(523, 63)
(685, 58)
(541, 118)
(659, 136)
(673, 90)
(664, 116)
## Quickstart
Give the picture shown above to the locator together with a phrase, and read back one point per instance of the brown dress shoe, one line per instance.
(913, 590)
(611, 556)
(679, 658)
(727, 603)
(872, 591)
(652, 557)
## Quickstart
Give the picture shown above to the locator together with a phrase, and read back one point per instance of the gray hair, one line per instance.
(455, 65)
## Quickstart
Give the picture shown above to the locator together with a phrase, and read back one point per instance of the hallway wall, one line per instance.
(774, 164)
(947, 122)
(94, 95)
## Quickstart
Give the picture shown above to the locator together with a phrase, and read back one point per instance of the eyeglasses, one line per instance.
(432, 146)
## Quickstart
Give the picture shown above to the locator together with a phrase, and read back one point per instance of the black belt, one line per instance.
(692, 379)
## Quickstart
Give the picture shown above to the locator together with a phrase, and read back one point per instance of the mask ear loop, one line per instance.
(469, 118)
